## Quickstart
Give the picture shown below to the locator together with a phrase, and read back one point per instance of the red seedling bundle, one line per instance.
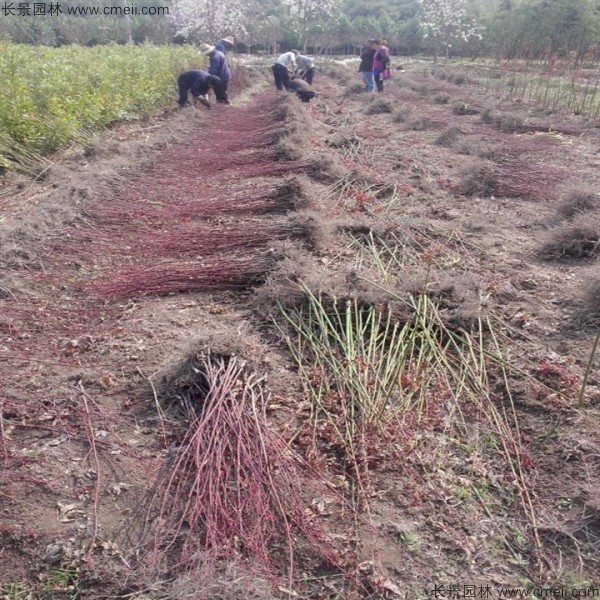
(208, 240)
(523, 179)
(212, 274)
(232, 487)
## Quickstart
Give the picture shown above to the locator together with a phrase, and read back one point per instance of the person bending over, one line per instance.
(303, 90)
(306, 68)
(199, 83)
(283, 68)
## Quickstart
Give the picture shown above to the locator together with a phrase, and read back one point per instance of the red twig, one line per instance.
(233, 486)
(92, 441)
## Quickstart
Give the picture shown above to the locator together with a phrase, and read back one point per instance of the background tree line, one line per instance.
(529, 29)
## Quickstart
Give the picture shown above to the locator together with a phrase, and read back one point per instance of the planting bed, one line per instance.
(317, 351)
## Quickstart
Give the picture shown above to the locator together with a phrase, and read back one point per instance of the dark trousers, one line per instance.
(309, 75)
(282, 77)
(379, 82)
(184, 88)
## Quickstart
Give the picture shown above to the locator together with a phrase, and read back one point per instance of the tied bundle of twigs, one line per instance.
(185, 239)
(232, 488)
(184, 276)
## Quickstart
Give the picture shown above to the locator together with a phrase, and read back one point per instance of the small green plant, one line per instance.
(412, 541)
(16, 590)
(63, 583)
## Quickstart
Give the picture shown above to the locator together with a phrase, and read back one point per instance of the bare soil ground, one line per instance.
(181, 234)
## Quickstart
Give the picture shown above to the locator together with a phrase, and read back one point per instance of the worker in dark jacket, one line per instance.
(225, 44)
(365, 68)
(218, 63)
(303, 90)
(199, 83)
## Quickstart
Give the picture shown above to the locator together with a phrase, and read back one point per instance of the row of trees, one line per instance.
(504, 28)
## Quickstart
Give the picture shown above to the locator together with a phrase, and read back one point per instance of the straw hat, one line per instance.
(228, 41)
(206, 48)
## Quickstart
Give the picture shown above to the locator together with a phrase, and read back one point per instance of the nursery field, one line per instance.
(53, 97)
(345, 350)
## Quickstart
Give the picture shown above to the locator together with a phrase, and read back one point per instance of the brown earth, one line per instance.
(180, 233)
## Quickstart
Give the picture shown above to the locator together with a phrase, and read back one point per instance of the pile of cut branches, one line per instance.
(231, 488)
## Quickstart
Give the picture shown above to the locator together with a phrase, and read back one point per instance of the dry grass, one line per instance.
(448, 137)
(576, 201)
(341, 140)
(462, 108)
(379, 106)
(325, 169)
(590, 311)
(230, 582)
(479, 180)
(354, 88)
(292, 195)
(289, 148)
(402, 115)
(578, 239)
(441, 98)
(336, 71)
(419, 123)
(503, 121)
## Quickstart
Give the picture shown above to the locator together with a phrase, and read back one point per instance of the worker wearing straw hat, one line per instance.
(225, 44)
(218, 64)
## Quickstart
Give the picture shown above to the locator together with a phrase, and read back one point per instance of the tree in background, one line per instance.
(535, 30)
(447, 22)
(305, 13)
(206, 20)
(86, 30)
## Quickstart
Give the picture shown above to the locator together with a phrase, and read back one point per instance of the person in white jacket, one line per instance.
(283, 69)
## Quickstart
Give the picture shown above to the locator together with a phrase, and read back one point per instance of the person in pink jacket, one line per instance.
(381, 64)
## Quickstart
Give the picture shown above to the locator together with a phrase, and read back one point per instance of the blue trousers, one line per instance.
(368, 80)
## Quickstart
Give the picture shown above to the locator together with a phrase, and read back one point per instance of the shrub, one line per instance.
(576, 201)
(458, 78)
(51, 97)
(503, 121)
